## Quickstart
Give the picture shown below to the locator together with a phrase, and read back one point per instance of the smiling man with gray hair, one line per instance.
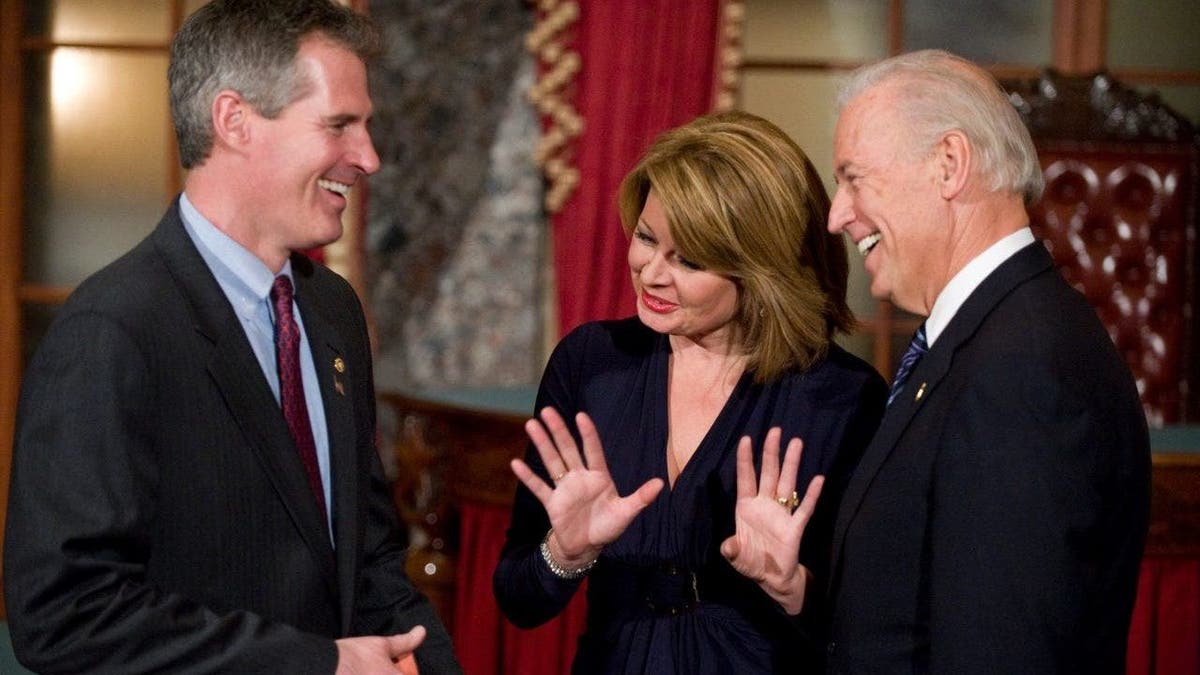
(195, 486)
(996, 522)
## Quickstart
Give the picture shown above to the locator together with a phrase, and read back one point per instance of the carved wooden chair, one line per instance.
(1119, 218)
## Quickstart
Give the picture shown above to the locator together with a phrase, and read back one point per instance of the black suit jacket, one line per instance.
(159, 517)
(996, 522)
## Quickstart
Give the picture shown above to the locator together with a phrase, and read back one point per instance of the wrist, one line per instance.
(565, 568)
(790, 592)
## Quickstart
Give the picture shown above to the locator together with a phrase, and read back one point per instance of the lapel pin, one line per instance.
(920, 392)
(339, 365)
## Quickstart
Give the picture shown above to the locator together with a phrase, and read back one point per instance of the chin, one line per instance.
(651, 320)
(328, 235)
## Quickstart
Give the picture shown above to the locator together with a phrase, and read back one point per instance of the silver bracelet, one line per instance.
(558, 570)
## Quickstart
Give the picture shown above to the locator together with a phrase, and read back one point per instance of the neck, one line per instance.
(226, 207)
(707, 364)
(977, 225)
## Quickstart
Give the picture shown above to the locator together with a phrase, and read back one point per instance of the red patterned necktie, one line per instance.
(291, 385)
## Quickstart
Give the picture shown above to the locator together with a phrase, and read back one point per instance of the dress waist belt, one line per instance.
(623, 590)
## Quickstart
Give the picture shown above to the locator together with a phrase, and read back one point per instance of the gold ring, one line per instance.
(789, 503)
(559, 476)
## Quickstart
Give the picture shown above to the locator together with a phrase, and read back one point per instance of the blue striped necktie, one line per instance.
(912, 355)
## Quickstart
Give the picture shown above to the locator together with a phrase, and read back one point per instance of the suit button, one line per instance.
(831, 649)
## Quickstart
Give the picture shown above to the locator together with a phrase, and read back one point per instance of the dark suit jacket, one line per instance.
(995, 524)
(159, 518)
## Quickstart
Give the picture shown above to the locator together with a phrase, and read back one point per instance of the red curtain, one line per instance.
(646, 66)
(484, 641)
(1164, 638)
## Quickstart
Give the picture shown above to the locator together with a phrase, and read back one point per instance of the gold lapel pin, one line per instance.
(920, 392)
(339, 365)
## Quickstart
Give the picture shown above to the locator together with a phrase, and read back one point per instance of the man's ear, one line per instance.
(230, 120)
(954, 159)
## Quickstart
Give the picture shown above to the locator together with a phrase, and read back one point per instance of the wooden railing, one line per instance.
(444, 455)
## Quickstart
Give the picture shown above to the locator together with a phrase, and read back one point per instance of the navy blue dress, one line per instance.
(662, 599)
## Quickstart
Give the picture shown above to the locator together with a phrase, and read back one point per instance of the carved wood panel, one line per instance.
(1114, 225)
(444, 456)
(1119, 216)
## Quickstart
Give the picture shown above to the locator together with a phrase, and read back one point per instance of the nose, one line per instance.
(841, 212)
(655, 272)
(365, 157)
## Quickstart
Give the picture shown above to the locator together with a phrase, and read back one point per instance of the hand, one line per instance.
(585, 510)
(765, 546)
(373, 654)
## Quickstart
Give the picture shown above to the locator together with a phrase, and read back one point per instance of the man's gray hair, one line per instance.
(250, 46)
(937, 92)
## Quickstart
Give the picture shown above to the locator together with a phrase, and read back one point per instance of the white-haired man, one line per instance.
(996, 521)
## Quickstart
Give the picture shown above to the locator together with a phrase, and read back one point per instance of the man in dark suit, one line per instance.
(166, 515)
(996, 522)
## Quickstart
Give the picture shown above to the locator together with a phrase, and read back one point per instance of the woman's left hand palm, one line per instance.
(769, 522)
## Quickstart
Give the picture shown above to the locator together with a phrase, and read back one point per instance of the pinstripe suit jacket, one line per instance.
(159, 517)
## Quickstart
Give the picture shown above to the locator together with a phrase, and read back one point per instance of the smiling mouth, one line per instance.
(868, 242)
(657, 305)
(334, 186)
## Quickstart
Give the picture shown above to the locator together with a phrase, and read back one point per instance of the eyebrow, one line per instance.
(341, 119)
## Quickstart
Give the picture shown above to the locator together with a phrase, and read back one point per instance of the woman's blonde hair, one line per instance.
(743, 201)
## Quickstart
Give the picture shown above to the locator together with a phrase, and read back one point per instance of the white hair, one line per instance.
(939, 92)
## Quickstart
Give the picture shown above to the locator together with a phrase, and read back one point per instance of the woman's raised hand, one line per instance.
(586, 513)
(770, 521)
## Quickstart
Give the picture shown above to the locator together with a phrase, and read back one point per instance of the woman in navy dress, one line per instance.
(740, 291)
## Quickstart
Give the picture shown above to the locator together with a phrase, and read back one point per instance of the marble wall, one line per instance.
(455, 226)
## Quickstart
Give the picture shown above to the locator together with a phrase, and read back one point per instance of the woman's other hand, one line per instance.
(770, 521)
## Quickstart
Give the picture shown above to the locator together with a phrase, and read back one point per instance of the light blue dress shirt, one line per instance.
(247, 281)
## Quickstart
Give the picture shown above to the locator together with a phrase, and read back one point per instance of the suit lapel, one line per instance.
(238, 377)
(334, 373)
(930, 371)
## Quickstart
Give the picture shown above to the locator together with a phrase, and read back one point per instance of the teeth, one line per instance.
(868, 242)
(340, 188)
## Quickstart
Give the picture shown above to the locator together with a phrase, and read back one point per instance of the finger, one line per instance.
(745, 469)
(809, 503)
(646, 494)
(593, 451)
(769, 478)
(730, 548)
(551, 459)
(407, 666)
(531, 480)
(629, 507)
(402, 644)
(791, 467)
(563, 439)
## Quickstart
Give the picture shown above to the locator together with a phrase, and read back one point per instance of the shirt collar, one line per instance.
(968, 279)
(246, 278)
